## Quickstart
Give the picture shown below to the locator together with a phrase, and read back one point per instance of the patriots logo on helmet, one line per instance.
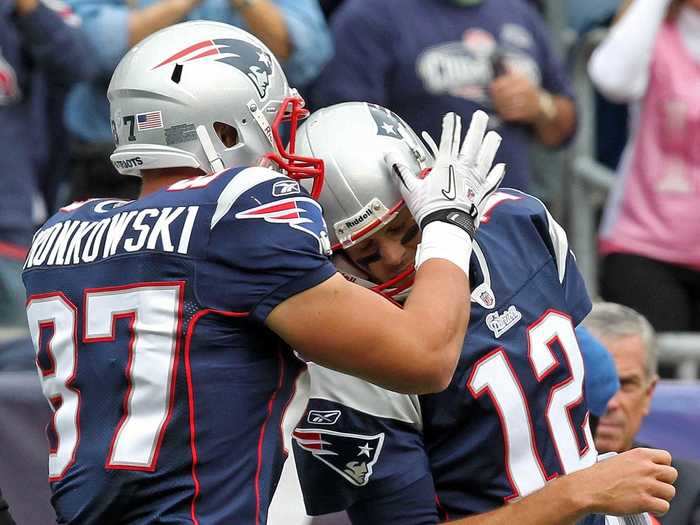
(353, 456)
(298, 213)
(389, 124)
(251, 60)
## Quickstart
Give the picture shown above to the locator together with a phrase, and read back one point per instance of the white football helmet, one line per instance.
(359, 196)
(170, 91)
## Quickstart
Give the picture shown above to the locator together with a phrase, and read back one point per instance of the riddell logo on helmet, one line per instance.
(359, 219)
(128, 163)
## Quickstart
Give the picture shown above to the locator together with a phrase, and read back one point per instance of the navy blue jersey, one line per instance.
(513, 416)
(148, 319)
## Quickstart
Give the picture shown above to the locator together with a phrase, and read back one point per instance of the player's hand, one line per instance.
(636, 481)
(461, 178)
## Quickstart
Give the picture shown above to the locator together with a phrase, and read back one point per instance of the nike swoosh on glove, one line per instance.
(461, 179)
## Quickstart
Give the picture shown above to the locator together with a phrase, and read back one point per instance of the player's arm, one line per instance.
(359, 332)
(415, 349)
(636, 481)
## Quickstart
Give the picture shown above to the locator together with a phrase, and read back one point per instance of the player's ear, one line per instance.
(227, 134)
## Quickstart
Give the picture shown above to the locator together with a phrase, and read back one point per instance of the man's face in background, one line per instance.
(630, 404)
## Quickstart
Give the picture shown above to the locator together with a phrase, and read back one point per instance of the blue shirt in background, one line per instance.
(39, 52)
(105, 23)
(423, 58)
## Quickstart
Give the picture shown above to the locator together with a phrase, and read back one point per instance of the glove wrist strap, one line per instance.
(443, 240)
(454, 216)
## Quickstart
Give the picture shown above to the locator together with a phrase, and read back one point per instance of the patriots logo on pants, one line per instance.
(353, 456)
(297, 212)
(251, 60)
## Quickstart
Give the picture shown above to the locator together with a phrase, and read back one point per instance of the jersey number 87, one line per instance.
(154, 312)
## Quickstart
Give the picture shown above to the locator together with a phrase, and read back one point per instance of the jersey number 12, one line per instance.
(494, 375)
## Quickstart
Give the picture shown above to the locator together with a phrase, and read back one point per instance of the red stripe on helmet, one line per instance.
(206, 53)
(184, 52)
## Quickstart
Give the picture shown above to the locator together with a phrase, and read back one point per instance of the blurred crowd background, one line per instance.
(598, 102)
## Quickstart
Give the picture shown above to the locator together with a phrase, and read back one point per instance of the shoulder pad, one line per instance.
(239, 184)
(515, 202)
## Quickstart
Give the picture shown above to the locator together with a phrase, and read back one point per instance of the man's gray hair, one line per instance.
(613, 321)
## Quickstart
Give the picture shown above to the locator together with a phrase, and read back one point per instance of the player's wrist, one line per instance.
(442, 240)
(576, 496)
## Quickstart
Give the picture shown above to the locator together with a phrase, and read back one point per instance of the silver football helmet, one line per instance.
(171, 91)
(359, 196)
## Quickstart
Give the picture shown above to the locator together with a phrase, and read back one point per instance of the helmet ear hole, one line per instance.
(228, 135)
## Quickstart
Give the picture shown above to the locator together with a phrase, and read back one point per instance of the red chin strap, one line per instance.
(296, 166)
(388, 288)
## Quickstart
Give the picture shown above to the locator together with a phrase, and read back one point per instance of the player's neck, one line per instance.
(155, 180)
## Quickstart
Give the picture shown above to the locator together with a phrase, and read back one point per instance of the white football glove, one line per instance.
(461, 179)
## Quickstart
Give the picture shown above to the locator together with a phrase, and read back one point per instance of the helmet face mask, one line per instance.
(170, 90)
(359, 197)
(298, 167)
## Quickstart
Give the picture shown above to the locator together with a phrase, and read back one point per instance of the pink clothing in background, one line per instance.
(655, 208)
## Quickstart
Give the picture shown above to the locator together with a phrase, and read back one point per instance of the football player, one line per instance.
(162, 325)
(514, 415)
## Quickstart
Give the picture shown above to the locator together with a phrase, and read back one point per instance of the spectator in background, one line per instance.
(294, 30)
(423, 58)
(631, 340)
(649, 235)
(610, 118)
(584, 16)
(329, 6)
(51, 143)
(39, 52)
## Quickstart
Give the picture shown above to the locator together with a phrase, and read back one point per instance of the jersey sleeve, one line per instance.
(357, 444)
(575, 293)
(412, 505)
(268, 242)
